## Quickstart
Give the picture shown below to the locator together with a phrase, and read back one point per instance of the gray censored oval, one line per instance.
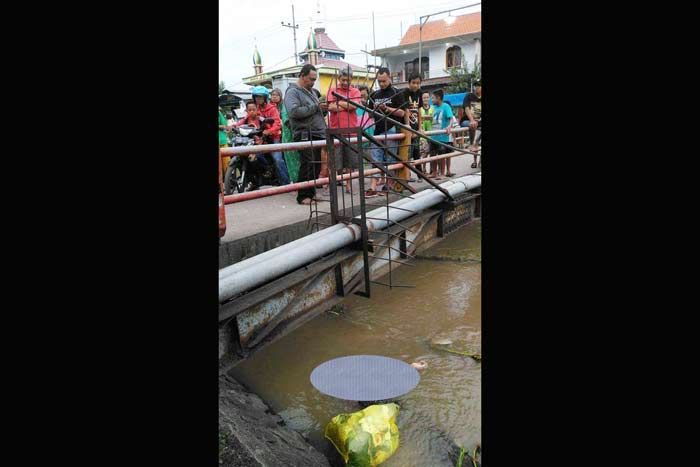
(364, 378)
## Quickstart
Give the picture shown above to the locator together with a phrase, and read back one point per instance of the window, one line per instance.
(412, 66)
(454, 57)
(408, 68)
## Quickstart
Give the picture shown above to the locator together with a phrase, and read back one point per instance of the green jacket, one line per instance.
(223, 139)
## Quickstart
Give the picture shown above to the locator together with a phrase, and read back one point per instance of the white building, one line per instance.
(453, 42)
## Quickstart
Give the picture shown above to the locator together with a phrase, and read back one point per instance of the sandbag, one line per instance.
(365, 438)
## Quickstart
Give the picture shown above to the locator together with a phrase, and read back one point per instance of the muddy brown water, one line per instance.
(398, 323)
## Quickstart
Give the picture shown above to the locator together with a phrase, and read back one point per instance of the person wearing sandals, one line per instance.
(426, 117)
(412, 95)
(306, 119)
(443, 118)
(389, 101)
(472, 117)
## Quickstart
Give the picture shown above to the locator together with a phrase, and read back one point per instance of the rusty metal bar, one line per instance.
(379, 247)
(392, 260)
(395, 235)
(396, 285)
(388, 221)
(406, 163)
(392, 207)
(237, 198)
(402, 125)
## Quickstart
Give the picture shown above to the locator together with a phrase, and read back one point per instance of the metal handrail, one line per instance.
(265, 148)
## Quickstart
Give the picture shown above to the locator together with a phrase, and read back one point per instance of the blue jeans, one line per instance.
(282, 172)
(378, 154)
(472, 132)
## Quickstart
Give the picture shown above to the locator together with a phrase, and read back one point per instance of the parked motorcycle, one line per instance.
(247, 173)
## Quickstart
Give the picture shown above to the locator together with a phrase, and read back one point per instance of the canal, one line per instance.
(445, 304)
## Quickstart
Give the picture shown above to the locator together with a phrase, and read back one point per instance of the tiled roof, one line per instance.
(324, 42)
(440, 29)
(339, 64)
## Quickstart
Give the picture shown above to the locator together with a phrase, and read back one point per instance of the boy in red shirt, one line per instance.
(254, 118)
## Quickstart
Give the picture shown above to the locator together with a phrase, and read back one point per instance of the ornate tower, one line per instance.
(257, 61)
(312, 47)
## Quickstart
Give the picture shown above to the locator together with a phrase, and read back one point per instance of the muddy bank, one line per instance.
(250, 435)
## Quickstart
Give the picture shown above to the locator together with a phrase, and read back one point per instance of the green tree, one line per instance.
(222, 87)
(462, 78)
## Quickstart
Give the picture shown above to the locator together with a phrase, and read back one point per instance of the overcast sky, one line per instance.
(243, 23)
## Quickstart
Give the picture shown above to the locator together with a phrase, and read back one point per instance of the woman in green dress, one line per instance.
(290, 157)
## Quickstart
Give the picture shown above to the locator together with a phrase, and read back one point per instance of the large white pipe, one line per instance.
(273, 266)
(282, 249)
(228, 270)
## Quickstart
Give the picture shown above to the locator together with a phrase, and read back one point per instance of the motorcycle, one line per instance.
(247, 173)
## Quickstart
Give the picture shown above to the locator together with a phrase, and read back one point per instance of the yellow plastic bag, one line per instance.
(365, 438)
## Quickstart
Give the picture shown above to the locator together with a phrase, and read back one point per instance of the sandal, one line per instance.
(474, 165)
(370, 193)
(450, 174)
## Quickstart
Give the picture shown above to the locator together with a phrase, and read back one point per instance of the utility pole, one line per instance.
(374, 40)
(294, 27)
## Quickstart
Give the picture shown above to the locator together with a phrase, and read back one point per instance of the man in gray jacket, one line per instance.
(306, 119)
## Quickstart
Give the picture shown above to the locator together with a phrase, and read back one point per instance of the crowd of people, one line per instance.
(302, 114)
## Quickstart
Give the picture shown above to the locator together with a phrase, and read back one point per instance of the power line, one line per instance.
(385, 14)
(269, 30)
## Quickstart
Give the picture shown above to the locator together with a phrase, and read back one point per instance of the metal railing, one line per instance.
(266, 148)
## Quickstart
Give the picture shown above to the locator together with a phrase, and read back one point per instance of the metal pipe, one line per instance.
(249, 276)
(432, 197)
(420, 48)
(282, 249)
(278, 190)
(264, 148)
(227, 271)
